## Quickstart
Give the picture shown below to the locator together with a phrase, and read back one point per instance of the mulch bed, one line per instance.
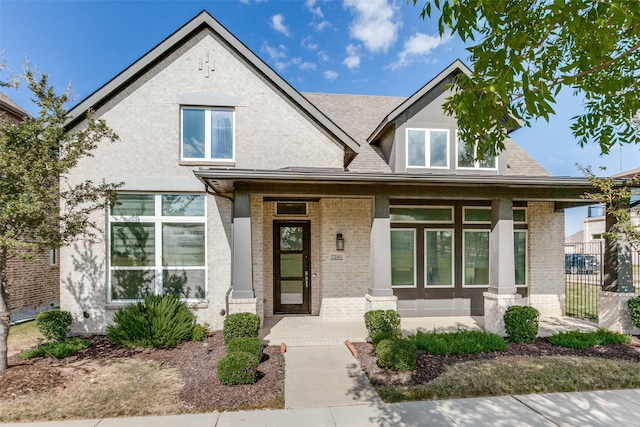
(201, 389)
(430, 366)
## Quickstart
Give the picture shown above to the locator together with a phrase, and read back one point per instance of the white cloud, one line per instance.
(353, 59)
(322, 56)
(307, 66)
(308, 44)
(417, 46)
(322, 25)
(330, 75)
(375, 23)
(249, 1)
(277, 23)
(277, 57)
(315, 10)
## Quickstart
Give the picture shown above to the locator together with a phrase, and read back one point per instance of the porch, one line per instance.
(303, 331)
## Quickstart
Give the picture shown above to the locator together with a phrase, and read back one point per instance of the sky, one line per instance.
(367, 47)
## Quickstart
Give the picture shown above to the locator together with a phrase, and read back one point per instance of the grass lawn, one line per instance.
(23, 336)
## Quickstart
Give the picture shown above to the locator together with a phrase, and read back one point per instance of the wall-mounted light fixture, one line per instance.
(339, 242)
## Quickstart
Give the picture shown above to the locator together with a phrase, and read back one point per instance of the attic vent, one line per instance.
(291, 208)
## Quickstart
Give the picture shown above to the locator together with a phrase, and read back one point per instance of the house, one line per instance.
(32, 285)
(242, 194)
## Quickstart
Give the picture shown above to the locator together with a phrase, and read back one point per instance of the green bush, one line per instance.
(521, 324)
(239, 325)
(397, 354)
(459, 342)
(53, 324)
(156, 322)
(382, 324)
(200, 332)
(57, 349)
(582, 340)
(238, 368)
(245, 344)
(634, 310)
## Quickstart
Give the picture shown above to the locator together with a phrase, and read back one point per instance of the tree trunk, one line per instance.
(4, 312)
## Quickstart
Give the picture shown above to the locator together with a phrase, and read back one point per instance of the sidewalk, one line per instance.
(599, 408)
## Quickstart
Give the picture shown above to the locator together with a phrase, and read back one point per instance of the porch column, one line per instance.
(617, 287)
(242, 272)
(502, 278)
(380, 295)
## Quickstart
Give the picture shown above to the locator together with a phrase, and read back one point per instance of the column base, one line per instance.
(495, 306)
(243, 305)
(380, 302)
(613, 312)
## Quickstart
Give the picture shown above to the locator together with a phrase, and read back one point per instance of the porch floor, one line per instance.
(303, 331)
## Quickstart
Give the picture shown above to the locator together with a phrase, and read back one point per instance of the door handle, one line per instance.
(306, 279)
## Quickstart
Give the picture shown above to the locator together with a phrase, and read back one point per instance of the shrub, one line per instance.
(582, 340)
(382, 325)
(634, 310)
(245, 344)
(459, 342)
(200, 332)
(156, 322)
(57, 349)
(397, 354)
(521, 324)
(53, 324)
(239, 325)
(238, 368)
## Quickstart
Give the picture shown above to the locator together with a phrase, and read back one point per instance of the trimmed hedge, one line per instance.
(245, 344)
(581, 340)
(634, 310)
(57, 349)
(238, 368)
(459, 342)
(53, 324)
(398, 355)
(239, 325)
(382, 324)
(158, 321)
(521, 324)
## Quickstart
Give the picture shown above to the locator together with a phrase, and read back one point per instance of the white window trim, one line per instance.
(207, 135)
(410, 221)
(427, 151)
(526, 215)
(415, 261)
(526, 258)
(476, 164)
(464, 269)
(453, 256)
(157, 219)
(464, 210)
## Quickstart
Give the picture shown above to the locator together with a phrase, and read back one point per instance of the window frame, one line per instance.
(207, 134)
(426, 207)
(158, 268)
(476, 163)
(526, 257)
(453, 258)
(415, 260)
(427, 148)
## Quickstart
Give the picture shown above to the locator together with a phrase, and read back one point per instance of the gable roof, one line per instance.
(205, 21)
(7, 104)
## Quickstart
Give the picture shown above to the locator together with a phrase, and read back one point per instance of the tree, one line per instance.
(39, 208)
(528, 51)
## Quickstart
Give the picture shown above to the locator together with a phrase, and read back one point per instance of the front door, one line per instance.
(291, 265)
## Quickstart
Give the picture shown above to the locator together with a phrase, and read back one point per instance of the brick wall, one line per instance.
(33, 284)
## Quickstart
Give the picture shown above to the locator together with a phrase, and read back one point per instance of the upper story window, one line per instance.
(207, 134)
(428, 148)
(466, 158)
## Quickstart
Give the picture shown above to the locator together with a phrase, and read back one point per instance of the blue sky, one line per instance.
(377, 47)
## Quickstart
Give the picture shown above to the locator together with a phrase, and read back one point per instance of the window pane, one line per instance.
(421, 214)
(415, 148)
(520, 215)
(520, 254)
(477, 215)
(182, 205)
(132, 284)
(438, 148)
(291, 238)
(439, 258)
(476, 258)
(402, 258)
(184, 283)
(488, 162)
(291, 292)
(133, 244)
(221, 134)
(183, 245)
(134, 205)
(466, 155)
(192, 133)
(291, 265)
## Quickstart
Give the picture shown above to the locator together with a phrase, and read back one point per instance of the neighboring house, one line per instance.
(33, 285)
(241, 194)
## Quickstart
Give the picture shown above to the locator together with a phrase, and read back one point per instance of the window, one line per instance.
(435, 214)
(53, 257)
(428, 148)
(482, 215)
(476, 258)
(207, 134)
(157, 246)
(403, 257)
(466, 158)
(520, 257)
(439, 258)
